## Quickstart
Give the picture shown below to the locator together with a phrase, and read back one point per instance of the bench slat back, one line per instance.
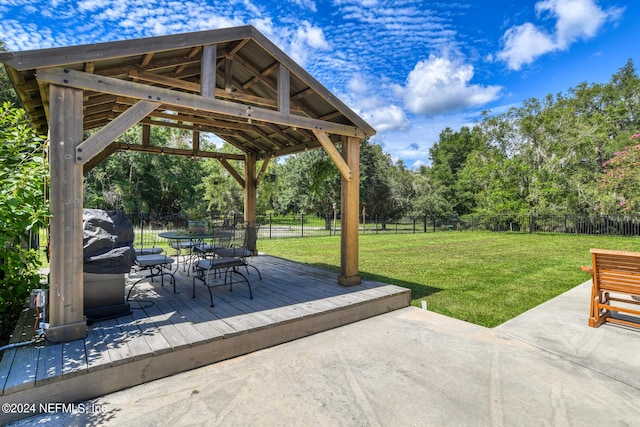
(617, 271)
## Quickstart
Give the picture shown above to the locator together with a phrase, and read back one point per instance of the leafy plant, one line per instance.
(23, 171)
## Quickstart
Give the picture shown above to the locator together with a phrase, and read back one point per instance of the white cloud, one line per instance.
(300, 41)
(312, 36)
(90, 5)
(306, 40)
(575, 20)
(523, 44)
(306, 4)
(439, 85)
(265, 26)
(380, 112)
(24, 37)
(384, 119)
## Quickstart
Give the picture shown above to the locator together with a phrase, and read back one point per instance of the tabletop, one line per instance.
(187, 235)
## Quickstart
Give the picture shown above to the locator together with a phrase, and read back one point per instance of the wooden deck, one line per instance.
(170, 333)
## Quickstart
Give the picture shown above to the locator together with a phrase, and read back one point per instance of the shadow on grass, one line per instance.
(418, 290)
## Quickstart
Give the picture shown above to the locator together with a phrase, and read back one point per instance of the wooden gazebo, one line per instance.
(230, 82)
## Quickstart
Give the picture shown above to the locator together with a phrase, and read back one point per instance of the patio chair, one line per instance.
(157, 265)
(226, 265)
(248, 235)
(184, 248)
(221, 238)
(146, 250)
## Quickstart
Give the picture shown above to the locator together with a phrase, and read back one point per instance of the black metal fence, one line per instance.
(559, 224)
(275, 226)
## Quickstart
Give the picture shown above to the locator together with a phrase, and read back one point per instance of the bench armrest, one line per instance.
(587, 268)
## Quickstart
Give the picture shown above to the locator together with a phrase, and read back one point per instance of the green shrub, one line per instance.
(23, 173)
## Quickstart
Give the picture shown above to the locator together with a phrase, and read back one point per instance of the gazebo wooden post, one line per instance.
(250, 193)
(66, 303)
(350, 204)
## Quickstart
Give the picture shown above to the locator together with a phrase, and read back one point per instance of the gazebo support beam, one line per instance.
(250, 194)
(333, 152)
(350, 204)
(97, 142)
(66, 315)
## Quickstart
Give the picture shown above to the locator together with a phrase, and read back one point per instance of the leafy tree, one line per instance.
(137, 182)
(430, 199)
(403, 189)
(222, 193)
(497, 183)
(23, 171)
(543, 157)
(619, 182)
(623, 102)
(309, 184)
(448, 156)
(268, 187)
(375, 183)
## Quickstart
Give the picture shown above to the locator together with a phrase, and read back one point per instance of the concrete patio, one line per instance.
(406, 367)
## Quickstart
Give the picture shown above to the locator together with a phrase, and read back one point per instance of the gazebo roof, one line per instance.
(245, 104)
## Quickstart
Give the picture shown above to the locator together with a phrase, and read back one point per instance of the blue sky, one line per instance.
(410, 68)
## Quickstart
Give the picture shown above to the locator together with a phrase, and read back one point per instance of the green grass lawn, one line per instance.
(481, 277)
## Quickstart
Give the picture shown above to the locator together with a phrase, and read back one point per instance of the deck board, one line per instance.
(27, 359)
(97, 350)
(159, 331)
(5, 367)
(74, 358)
(116, 340)
(23, 360)
(49, 363)
(136, 342)
(169, 332)
(207, 323)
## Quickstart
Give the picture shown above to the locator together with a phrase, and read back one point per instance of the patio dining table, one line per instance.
(183, 240)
